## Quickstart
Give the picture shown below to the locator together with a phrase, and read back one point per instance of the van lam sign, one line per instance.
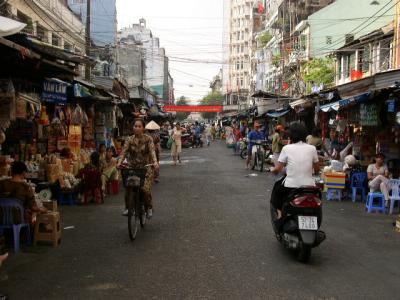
(55, 91)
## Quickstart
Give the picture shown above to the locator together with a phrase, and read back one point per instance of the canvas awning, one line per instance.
(9, 26)
(299, 102)
(278, 113)
(330, 106)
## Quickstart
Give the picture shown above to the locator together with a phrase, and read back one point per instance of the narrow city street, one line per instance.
(210, 239)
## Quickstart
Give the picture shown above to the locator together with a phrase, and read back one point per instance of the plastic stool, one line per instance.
(66, 198)
(54, 234)
(370, 206)
(330, 194)
(113, 187)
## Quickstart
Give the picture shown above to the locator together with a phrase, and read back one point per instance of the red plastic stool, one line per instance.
(113, 187)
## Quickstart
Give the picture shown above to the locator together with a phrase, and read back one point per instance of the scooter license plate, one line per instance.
(308, 223)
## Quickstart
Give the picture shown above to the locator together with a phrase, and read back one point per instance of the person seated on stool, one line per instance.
(378, 174)
(18, 188)
(109, 166)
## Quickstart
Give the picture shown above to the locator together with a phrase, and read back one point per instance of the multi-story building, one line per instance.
(50, 21)
(156, 63)
(366, 56)
(276, 43)
(238, 34)
(103, 23)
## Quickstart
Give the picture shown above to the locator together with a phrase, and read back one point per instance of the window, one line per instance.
(237, 65)
(55, 41)
(384, 55)
(241, 82)
(41, 33)
(241, 65)
(67, 46)
(242, 49)
(366, 59)
(329, 40)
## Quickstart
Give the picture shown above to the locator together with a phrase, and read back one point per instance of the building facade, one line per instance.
(50, 21)
(276, 44)
(156, 63)
(238, 36)
(103, 25)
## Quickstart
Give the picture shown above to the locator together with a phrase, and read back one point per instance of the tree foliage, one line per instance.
(182, 115)
(319, 70)
(265, 38)
(213, 98)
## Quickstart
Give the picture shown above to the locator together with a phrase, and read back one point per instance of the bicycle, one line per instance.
(133, 180)
(259, 153)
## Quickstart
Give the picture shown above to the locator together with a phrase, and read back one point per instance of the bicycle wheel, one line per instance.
(254, 162)
(261, 158)
(132, 217)
(244, 153)
(142, 214)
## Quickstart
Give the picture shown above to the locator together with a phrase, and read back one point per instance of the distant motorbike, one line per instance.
(302, 217)
(197, 142)
(186, 140)
(164, 137)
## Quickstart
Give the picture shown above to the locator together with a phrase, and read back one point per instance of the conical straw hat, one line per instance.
(153, 126)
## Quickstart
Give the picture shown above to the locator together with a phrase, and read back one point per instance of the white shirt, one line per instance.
(299, 159)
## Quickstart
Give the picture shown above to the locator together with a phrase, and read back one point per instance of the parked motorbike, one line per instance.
(302, 217)
(186, 140)
(243, 144)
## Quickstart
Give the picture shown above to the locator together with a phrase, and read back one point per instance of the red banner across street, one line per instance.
(193, 108)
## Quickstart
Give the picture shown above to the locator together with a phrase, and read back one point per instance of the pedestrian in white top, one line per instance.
(300, 160)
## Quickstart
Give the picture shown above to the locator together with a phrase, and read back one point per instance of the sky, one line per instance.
(188, 29)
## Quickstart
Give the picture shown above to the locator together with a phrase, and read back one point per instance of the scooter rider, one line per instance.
(300, 160)
(254, 136)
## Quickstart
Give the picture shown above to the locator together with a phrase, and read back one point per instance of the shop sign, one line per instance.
(391, 105)
(55, 91)
(368, 115)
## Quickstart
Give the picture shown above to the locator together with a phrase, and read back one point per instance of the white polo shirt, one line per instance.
(299, 159)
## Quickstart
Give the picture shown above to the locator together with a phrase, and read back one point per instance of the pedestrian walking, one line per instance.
(277, 143)
(176, 148)
(153, 130)
(208, 134)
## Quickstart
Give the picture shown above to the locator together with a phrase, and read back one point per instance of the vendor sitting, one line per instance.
(109, 167)
(378, 174)
(17, 188)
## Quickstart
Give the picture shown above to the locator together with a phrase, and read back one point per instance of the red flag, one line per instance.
(285, 86)
(261, 8)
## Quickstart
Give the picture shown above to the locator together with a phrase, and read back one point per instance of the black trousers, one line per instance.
(280, 194)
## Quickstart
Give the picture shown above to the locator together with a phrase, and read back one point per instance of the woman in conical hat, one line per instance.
(152, 129)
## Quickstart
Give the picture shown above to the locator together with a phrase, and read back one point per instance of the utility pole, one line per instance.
(88, 44)
(396, 40)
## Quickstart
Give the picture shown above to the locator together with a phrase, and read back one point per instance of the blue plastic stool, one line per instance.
(331, 194)
(66, 198)
(358, 183)
(9, 208)
(370, 206)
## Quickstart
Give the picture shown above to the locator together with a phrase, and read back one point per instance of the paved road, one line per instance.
(210, 239)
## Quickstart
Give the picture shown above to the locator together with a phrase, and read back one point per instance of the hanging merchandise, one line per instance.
(75, 138)
(77, 116)
(44, 118)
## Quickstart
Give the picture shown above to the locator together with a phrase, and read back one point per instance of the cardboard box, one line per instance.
(335, 180)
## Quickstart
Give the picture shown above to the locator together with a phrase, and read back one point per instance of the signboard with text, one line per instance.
(55, 91)
(193, 108)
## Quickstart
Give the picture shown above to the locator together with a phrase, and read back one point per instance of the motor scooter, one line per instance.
(299, 229)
